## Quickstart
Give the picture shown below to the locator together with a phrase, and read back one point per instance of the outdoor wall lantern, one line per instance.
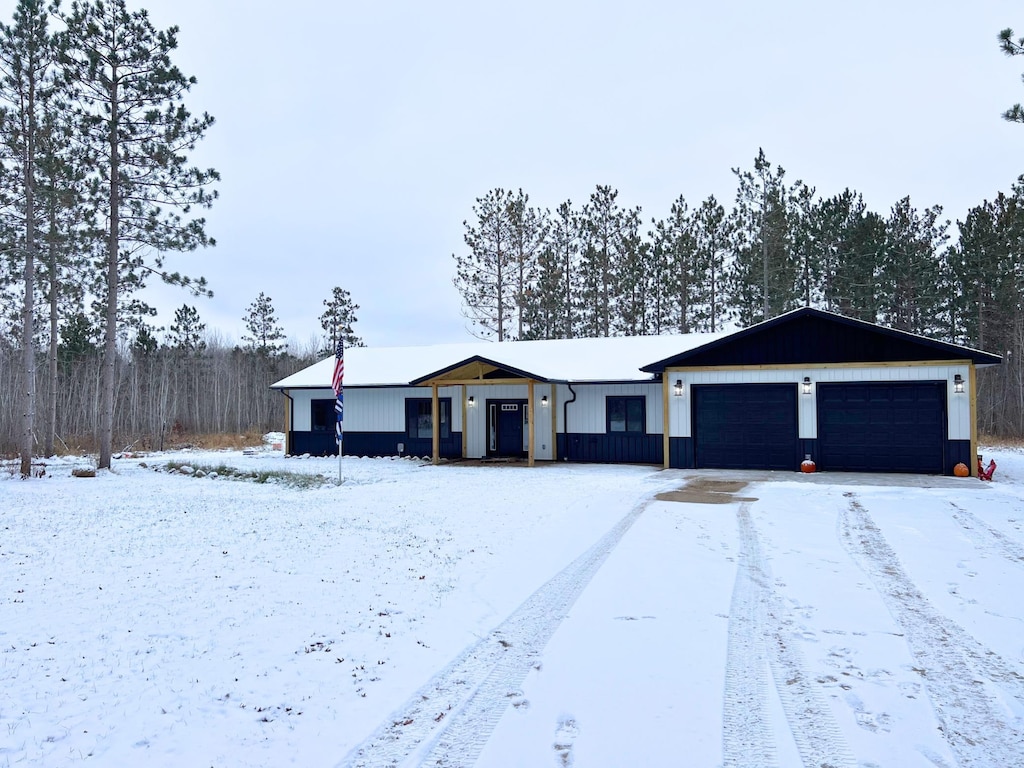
(679, 387)
(544, 400)
(958, 384)
(807, 385)
(471, 400)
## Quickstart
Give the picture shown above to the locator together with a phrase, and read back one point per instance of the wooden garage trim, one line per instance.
(972, 461)
(818, 366)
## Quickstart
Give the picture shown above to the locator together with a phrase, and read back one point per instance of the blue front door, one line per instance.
(505, 427)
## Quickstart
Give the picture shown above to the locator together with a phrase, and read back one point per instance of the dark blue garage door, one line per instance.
(882, 426)
(745, 426)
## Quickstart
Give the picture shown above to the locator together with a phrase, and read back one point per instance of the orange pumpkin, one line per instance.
(961, 470)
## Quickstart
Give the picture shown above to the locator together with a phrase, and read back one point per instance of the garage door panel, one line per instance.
(745, 426)
(882, 426)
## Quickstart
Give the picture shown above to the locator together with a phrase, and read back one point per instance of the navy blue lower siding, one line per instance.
(611, 449)
(371, 444)
(680, 452)
(959, 451)
(606, 449)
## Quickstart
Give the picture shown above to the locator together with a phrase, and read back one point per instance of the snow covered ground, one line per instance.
(502, 616)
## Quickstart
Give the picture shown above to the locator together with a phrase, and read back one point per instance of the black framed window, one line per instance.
(626, 415)
(419, 417)
(321, 416)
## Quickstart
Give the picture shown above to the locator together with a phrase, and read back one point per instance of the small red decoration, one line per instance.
(808, 465)
(985, 473)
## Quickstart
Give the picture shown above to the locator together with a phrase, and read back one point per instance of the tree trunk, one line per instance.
(107, 386)
(28, 348)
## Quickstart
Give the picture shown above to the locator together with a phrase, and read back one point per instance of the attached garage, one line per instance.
(745, 426)
(882, 426)
(849, 395)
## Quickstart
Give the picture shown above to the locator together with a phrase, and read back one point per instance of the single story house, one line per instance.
(854, 396)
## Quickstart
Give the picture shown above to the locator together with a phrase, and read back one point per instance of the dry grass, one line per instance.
(83, 445)
(999, 441)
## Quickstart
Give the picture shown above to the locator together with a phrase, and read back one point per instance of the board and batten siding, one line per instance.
(588, 415)
(371, 409)
(301, 411)
(958, 405)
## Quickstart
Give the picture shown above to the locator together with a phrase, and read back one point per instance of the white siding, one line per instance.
(301, 410)
(958, 405)
(587, 414)
(372, 409)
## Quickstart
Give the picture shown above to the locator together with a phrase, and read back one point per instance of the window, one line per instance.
(418, 422)
(321, 416)
(626, 414)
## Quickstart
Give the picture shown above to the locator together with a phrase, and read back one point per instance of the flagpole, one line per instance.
(337, 383)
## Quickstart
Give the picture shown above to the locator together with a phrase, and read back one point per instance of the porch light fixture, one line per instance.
(471, 400)
(958, 384)
(807, 385)
(544, 400)
(679, 387)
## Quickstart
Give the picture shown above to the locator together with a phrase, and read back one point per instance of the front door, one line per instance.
(506, 428)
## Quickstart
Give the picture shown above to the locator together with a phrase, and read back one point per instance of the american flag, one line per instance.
(337, 384)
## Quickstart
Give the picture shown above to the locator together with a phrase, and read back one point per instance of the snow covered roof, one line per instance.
(612, 359)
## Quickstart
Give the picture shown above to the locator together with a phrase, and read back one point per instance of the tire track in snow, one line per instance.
(762, 633)
(746, 736)
(967, 683)
(995, 539)
(450, 719)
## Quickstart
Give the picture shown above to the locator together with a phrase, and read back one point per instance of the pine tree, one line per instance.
(911, 279)
(529, 230)
(1011, 47)
(988, 267)
(763, 280)
(639, 280)
(559, 284)
(186, 332)
(805, 251)
(27, 87)
(145, 342)
(605, 238)
(338, 320)
(133, 119)
(675, 248)
(485, 276)
(80, 338)
(710, 229)
(63, 259)
(544, 310)
(849, 242)
(263, 335)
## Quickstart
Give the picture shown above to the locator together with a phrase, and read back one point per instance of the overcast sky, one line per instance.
(353, 138)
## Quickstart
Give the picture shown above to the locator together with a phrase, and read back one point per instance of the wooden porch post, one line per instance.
(666, 442)
(530, 415)
(465, 429)
(435, 412)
